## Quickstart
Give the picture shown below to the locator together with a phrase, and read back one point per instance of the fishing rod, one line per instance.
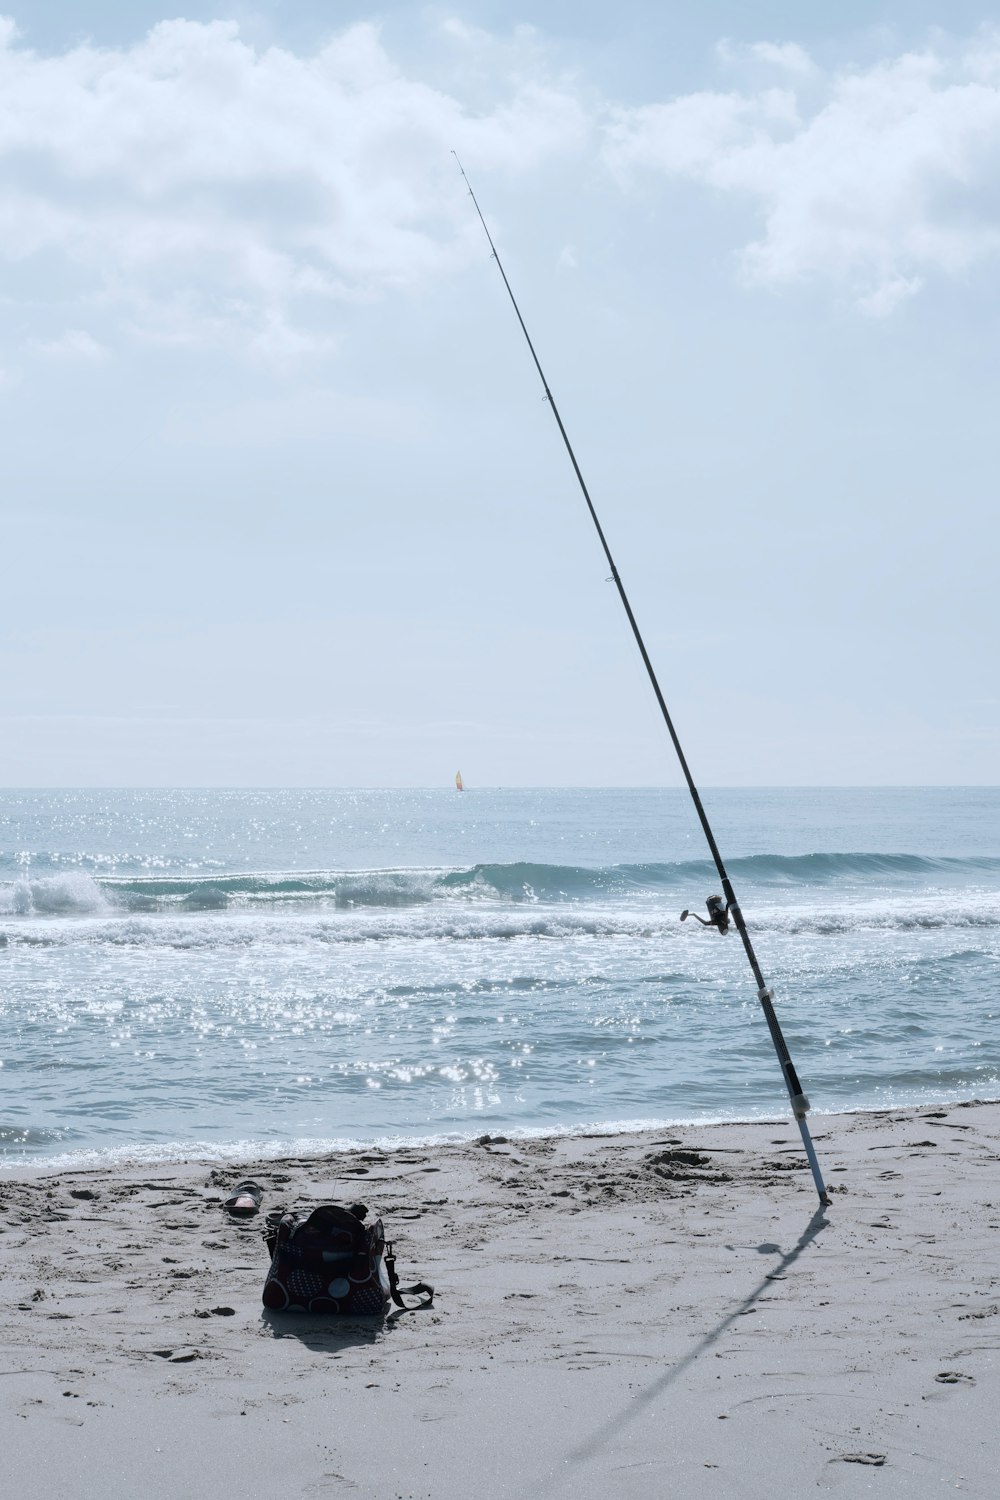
(719, 916)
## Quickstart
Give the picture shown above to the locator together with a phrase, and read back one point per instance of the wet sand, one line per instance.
(664, 1314)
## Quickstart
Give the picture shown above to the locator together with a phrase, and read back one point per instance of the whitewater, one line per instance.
(209, 972)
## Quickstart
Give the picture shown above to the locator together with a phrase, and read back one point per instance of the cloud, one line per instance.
(206, 187)
(74, 344)
(788, 56)
(871, 179)
(193, 189)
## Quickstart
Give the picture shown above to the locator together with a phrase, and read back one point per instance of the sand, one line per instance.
(664, 1314)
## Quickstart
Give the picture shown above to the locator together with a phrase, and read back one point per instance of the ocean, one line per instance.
(222, 973)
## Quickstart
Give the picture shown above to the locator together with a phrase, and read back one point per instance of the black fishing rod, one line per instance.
(718, 915)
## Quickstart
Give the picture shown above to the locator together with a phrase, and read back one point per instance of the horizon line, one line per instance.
(448, 786)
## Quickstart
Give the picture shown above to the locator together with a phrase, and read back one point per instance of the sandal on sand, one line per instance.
(244, 1201)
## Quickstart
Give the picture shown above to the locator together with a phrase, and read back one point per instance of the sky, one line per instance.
(282, 502)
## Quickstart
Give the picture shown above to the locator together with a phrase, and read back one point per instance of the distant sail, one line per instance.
(458, 781)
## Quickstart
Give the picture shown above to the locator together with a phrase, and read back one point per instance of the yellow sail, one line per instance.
(458, 781)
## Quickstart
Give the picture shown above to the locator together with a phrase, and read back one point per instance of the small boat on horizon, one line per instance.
(458, 782)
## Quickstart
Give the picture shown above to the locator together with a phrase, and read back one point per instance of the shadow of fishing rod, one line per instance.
(719, 914)
(612, 1428)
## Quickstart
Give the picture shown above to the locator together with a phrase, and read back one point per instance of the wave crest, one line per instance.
(862, 881)
(53, 896)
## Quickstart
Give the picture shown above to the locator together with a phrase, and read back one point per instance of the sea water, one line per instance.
(215, 972)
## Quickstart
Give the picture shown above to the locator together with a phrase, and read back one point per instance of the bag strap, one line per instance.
(420, 1289)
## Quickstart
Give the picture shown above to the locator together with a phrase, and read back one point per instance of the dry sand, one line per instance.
(649, 1315)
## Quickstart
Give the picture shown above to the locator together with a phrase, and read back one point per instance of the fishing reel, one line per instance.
(718, 915)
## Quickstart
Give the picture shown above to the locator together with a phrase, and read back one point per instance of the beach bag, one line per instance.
(328, 1261)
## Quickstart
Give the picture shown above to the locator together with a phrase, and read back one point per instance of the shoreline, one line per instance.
(632, 1314)
(236, 1154)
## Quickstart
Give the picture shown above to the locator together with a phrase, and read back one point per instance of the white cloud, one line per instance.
(195, 189)
(788, 56)
(191, 174)
(74, 344)
(872, 179)
(889, 294)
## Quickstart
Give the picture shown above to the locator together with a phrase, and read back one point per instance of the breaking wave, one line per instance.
(199, 927)
(54, 896)
(80, 894)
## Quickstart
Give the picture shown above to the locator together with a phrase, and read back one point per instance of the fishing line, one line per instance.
(799, 1102)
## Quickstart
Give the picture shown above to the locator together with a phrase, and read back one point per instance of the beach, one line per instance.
(659, 1313)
